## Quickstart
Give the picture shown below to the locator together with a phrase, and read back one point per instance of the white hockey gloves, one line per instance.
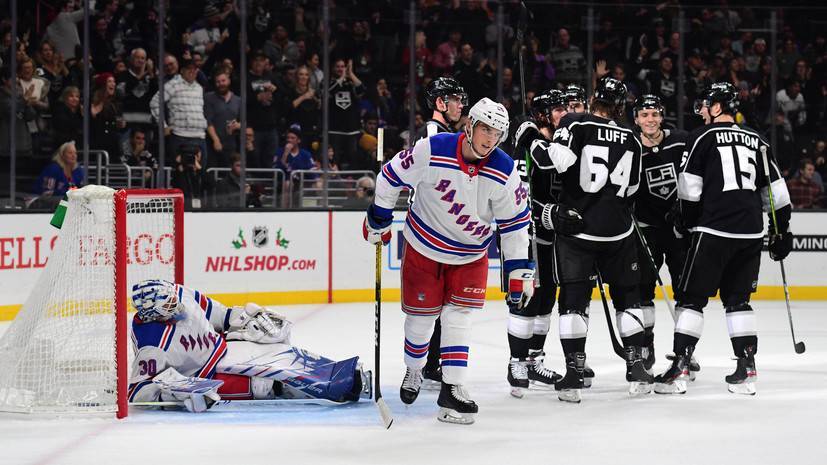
(520, 283)
(197, 394)
(256, 324)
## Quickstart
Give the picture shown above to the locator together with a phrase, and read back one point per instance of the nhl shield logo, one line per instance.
(662, 180)
(260, 236)
(471, 170)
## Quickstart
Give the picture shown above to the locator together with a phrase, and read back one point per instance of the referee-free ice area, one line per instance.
(782, 424)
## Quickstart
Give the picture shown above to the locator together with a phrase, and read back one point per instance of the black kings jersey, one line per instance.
(722, 181)
(659, 178)
(606, 173)
(431, 128)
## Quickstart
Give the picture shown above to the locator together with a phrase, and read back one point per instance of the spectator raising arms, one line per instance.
(345, 91)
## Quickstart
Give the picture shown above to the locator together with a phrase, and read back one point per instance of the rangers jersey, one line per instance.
(722, 186)
(192, 345)
(659, 179)
(451, 219)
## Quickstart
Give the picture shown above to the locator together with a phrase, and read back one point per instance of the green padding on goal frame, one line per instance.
(8, 312)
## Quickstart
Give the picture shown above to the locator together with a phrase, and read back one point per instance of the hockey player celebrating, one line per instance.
(606, 174)
(447, 98)
(529, 326)
(577, 98)
(193, 350)
(721, 188)
(463, 184)
(654, 203)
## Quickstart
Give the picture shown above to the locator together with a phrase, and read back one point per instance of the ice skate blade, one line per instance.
(676, 387)
(638, 388)
(569, 395)
(742, 388)
(541, 385)
(431, 385)
(517, 392)
(447, 415)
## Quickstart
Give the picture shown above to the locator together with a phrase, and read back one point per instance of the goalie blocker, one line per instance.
(194, 350)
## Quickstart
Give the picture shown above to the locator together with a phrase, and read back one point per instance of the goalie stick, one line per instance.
(616, 345)
(798, 346)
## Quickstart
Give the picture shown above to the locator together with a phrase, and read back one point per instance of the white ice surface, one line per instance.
(781, 425)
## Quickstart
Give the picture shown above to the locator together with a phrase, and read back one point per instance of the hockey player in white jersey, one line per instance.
(463, 183)
(192, 349)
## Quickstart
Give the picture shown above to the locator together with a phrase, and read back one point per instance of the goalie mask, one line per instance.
(156, 300)
(493, 115)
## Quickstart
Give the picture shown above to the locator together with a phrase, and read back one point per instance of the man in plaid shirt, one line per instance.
(185, 123)
(806, 192)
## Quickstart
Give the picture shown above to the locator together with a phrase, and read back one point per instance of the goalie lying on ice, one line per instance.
(193, 350)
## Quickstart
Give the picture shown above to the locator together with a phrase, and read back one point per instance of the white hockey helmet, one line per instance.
(156, 300)
(491, 113)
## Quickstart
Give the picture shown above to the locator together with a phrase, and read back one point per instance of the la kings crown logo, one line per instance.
(662, 180)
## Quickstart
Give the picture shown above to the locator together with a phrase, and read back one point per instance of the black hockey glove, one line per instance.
(526, 134)
(562, 220)
(780, 245)
(674, 219)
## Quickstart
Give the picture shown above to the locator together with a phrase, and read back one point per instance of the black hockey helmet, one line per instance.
(611, 91)
(720, 92)
(575, 93)
(649, 102)
(543, 103)
(443, 87)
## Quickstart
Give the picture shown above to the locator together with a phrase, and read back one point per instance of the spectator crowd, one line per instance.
(368, 84)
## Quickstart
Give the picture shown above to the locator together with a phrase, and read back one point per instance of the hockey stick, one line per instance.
(798, 346)
(384, 411)
(616, 345)
(654, 268)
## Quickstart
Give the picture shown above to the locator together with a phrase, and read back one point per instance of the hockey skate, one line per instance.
(455, 406)
(673, 380)
(431, 377)
(694, 366)
(588, 376)
(410, 385)
(742, 381)
(568, 388)
(518, 376)
(648, 354)
(537, 371)
(640, 381)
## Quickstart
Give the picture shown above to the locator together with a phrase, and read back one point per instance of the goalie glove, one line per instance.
(520, 283)
(197, 394)
(562, 220)
(376, 227)
(257, 324)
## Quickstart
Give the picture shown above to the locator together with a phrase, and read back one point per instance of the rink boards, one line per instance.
(319, 257)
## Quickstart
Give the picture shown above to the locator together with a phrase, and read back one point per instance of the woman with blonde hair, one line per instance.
(61, 174)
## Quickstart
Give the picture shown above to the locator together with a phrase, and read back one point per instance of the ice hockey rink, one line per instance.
(708, 425)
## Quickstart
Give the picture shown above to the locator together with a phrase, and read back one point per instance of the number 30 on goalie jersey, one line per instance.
(606, 173)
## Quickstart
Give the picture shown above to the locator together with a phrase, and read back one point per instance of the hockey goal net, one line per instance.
(66, 351)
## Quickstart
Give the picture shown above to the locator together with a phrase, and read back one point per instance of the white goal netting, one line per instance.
(61, 353)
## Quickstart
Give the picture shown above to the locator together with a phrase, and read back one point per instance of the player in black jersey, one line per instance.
(577, 98)
(447, 98)
(529, 326)
(722, 188)
(598, 185)
(654, 202)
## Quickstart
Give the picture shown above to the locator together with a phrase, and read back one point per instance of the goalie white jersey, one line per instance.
(193, 345)
(456, 203)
